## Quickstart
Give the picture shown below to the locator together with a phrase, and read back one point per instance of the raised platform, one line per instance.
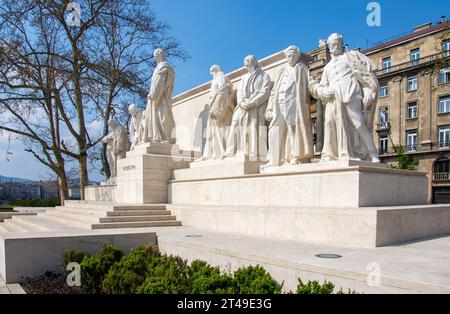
(210, 169)
(348, 184)
(352, 227)
(420, 267)
(346, 203)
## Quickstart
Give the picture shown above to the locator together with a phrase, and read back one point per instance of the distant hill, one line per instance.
(11, 179)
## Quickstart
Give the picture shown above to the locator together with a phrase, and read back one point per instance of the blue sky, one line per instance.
(225, 31)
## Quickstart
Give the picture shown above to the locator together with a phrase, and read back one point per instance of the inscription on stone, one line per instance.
(128, 168)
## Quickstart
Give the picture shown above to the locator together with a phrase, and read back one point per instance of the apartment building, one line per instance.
(414, 102)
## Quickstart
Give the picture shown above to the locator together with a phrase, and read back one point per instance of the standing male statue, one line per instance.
(158, 122)
(117, 146)
(349, 91)
(221, 110)
(248, 136)
(135, 125)
(290, 133)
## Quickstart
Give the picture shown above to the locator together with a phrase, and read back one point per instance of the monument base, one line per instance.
(343, 184)
(346, 202)
(101, 193)
(142, 177)
(353, 227)
(228, 167)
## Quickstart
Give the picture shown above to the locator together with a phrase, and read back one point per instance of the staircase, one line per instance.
(93, 215)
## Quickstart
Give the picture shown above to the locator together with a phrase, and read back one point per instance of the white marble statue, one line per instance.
(220, 112)
(158, 122)
(290, 133)
(248, 133)
(117, 146)
(349, 91)
(136, 129)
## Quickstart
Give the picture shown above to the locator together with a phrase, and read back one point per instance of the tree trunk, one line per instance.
(83, 173)
(63, 188)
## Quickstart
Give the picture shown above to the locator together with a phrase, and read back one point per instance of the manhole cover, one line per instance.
(194, 236)
(330, 256)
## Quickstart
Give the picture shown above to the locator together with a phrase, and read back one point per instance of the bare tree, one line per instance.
(73, 75)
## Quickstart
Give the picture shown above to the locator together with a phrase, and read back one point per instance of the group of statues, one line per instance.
(348, 90)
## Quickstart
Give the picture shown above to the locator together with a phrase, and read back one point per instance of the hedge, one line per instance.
(146, 271)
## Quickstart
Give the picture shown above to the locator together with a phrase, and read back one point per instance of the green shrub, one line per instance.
(206, 279)
(127, 275)
(314, 287)
(255, 280)
(95, 268)
(166, 275)
(51, 202)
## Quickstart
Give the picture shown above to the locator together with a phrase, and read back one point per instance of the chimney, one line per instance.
(422, 27)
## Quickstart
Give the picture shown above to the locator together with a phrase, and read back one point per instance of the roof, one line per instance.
(407, 37)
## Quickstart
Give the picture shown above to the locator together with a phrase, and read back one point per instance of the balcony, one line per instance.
(383, 128)
(413, 64)
(441, 177)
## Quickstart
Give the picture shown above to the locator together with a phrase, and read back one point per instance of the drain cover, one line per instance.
(194, 236)
(330, 256)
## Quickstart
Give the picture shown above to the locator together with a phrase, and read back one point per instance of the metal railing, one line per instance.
(413, 63)
(441, 176)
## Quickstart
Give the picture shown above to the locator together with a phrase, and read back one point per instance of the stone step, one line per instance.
(69, 222)
(11, 226)
(81, 212)
(75, 216)
(112, 206)
(3, 230)
(138, 213)
(149, 224)
(31, 223)
(90, 211)
(137, 218)
(140, 207)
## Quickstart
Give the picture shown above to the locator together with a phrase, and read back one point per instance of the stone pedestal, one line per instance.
(347, 184)
(228, 167)
(144, 174)
(347, 203)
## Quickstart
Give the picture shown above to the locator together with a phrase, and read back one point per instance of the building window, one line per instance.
(411, 140)
(412, 110)
(383, 145)
(384, 115)
(412, 83)
(442, 166)
(444, 136)
(384, 90)
(446, 47)
(387, 63)
(444, 76)
(415, 56)
(314, 58)
(444, 104)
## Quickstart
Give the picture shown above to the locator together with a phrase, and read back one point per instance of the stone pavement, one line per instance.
(10, 289)
(420, 267)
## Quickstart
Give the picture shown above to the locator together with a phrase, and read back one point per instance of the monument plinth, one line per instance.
(144, 174)
(351, 203)
(227, 167)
